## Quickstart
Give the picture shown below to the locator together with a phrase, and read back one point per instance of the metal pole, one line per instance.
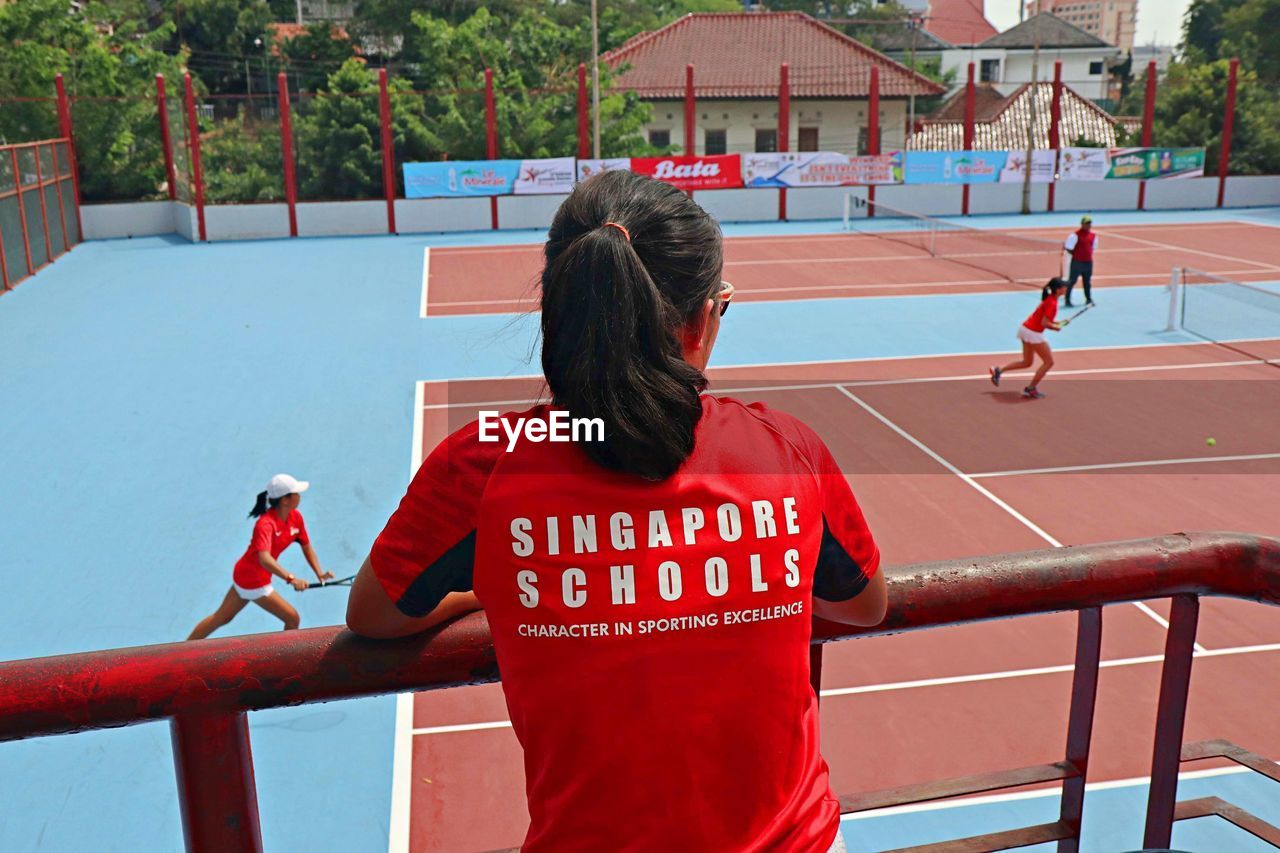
(873, 131)
(1084, 698)
(1171, 714)
(491, 138)
(68, 131)
(166, 139)
(584, 141)
(388, 150)
(914, 26)
(216, 789)
(969, 109)
(286, 153)
(784, 128)
(1228, 121)
(1031, 123)
(1148, 119)
(595, 79)
(193, 137)
(690, 133)
(1055, 120)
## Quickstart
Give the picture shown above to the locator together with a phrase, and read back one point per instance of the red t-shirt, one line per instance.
(653, 637)
(1045, 313)
(273, 534)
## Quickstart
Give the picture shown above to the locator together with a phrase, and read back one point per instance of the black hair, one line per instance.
(1052, 285)
(261, 504)
(613, 305)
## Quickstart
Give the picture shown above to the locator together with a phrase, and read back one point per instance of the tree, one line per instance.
(317, 53)
(220, 37)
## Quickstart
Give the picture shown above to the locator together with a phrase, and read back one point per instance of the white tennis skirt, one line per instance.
(256, 592)
(1031, 337)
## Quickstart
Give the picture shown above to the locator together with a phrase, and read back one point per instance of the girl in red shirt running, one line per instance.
(649, 587)
(279, 524)
(1031, 333)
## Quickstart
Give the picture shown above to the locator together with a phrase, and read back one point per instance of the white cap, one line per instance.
(283, 484)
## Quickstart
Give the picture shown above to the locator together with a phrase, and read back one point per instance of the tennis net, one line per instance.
(1241, 316)
(1011, 257)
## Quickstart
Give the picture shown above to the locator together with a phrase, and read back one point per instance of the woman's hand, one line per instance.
(324, 576)
(298, 583)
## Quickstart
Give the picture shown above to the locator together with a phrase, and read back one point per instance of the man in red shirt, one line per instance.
(1080, 245)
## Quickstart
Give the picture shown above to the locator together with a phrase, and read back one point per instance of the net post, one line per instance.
(1175, 298)
(1175, 683)
(66, 128)
(1084, 696)
(584, 142)
(193, 139)
(1148, 119)
(216, 789)
(388, 151)
(1228, 122)
(873, 132)
(784, 129)
(848, 209)
(491, 139)
(286, 152)
(969, 109)
(166, 140)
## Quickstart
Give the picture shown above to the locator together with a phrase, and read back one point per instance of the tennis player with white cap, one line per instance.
(279, 524)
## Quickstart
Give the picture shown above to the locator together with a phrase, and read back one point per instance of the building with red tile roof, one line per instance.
(959, 22)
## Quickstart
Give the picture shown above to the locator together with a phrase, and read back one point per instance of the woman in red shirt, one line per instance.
(1031, 333)
(279, 524)
(649, 586)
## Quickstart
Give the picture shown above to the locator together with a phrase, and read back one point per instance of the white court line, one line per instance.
(1104, 466)
(927, 682)
(426, 272)
(1172, 248)
(982, 490)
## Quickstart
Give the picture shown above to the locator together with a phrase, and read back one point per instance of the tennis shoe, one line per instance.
(1032, 393)
(995, 375)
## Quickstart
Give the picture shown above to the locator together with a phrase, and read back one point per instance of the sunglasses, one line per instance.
(725, 296)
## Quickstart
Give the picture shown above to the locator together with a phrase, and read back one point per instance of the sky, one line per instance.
(1159, 21)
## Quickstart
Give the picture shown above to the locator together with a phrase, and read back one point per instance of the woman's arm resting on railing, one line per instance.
(372, 613)
(866, 608)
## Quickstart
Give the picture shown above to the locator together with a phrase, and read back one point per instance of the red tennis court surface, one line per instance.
(504, 279)
(946, 466)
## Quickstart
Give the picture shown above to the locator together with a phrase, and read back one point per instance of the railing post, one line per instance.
(491, 138)
(1055, 120)
(388, 150)
(166, 141)
(1171, 714)
(1084, 697)
(44, 208)
(784, 129)
(873, 131)
(584, 141)
(1228, 122)
(216, 789)
(57, 193)
(68, 130)
(22, 208)
(286, 152)
(1148, 119)
(193, 139)
(969, 96)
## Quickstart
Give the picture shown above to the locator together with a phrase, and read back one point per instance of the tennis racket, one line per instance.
(1077, 314)
(338, 582)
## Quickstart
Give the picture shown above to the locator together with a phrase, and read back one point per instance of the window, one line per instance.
(990, 71)
(766, 140)
(1095, 68)
(808, 139)
(714, 142)
(659, 138)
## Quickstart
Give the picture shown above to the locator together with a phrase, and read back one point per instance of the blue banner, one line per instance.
(954, 167)
(460, 178)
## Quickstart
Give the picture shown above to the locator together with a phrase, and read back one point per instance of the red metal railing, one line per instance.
(37, 179)
(206, 688)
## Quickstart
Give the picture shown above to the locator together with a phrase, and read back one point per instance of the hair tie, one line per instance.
(625, 232)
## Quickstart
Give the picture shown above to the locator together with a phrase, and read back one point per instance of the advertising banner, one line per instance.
(954, 167)
(1151, 163)
(709, 172)
(587, 168)
(820, 169)
(460, 178)
(1043, 161)
(1083, 164)
(541, 177)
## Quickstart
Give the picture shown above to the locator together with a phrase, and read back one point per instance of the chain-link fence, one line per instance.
(240, 149)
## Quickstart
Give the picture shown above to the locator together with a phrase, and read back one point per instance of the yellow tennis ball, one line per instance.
(1211, 441)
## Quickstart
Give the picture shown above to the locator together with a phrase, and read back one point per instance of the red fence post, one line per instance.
(44, 208)
(57, 193)
(873, 131)
(286, 152)
(1084, 698)
(68, 131)
(784, 129)
(690, 107)
(193, 135)
(1055, 121)
(584, 142)
(22, 208)
(491, 137)
(1148, 120)
(388, 150)
(969, 96)
(1171, 714)
(1228, 121)
(216, 789)
(166, 141)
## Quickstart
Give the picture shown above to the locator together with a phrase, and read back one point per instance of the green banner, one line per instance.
(1150, 163)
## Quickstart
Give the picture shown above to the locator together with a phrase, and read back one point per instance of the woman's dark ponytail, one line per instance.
(260, 506)
(613, 305)
(1054, 284)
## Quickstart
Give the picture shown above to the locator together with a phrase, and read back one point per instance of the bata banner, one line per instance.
(460, 178)
(1083, 164)
(541, 177)
(1043, 161)
(820, 169)
(710, 172)
(954, 167)
(1150, 163)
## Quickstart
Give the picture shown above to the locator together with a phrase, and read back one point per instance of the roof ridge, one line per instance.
(1096, 42)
